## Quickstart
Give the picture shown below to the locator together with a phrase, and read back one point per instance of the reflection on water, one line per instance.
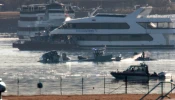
(24, 65)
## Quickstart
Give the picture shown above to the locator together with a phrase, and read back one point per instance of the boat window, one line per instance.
(104, 26)
(54, 6)
(28, 18)
(115, 37)
(171, 25)
(91, 37)
(69, 25)
(110, 15)
(143, 69)
(73, 26)
(162, 25)
(34, 28)
(56, 11)
(157, 25)
(95, 26)
(135, 68)
(98, 26)
(144, 25)
(103, 38)
(152, 25)
(64, 26)
(123, 26)
(139, 69)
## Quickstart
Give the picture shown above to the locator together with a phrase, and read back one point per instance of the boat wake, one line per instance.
(137, 55)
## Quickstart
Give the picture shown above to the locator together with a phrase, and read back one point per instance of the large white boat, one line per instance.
(35, 18)
(136, 30)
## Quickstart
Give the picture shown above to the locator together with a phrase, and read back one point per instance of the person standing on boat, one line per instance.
(143, 55)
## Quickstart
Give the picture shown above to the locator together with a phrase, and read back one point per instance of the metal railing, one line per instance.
(162, 95)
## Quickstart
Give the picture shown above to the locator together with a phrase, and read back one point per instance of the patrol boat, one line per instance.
(139, 72)
(98, 56)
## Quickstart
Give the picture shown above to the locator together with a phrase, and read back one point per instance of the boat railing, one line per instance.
(162, 95)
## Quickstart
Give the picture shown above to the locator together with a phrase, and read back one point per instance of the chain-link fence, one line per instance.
(81, 86)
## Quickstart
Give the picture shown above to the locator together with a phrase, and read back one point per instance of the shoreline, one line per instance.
(87, 97)
(9, 15)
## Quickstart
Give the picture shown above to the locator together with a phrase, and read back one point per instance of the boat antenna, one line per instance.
(91, 14)
(104, 49)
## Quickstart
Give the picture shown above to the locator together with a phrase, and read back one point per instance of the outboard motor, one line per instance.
(161, 75)
(81, 58)
(2, 88)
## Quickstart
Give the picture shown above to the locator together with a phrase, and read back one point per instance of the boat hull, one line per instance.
(99, 58)
(138, 76)
(130, 76)
(63, 46)
(44, 46)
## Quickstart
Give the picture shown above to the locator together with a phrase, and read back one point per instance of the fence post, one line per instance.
(171, 84)
(126, 84)
(60, 85)
(82, 85)
(40, 86)
(162, 89)
(148, 86)
(148, 83)
(104, 85)
(0, 96)
(18, 86)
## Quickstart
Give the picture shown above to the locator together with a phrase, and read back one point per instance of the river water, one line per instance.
(21, 72)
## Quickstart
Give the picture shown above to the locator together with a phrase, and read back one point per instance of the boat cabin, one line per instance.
(138, 68)
(98, 52)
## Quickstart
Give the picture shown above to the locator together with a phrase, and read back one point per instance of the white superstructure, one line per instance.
(135, 30)
(35, 18)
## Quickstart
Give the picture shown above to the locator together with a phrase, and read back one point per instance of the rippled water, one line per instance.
(24, 65)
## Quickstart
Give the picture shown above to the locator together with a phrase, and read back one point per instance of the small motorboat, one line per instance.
(82, 58)
(139, 72)
(118, 58)
(53, 57)
(143, 57)
(98, 56)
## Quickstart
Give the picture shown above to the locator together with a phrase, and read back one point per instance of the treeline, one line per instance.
(12, 5)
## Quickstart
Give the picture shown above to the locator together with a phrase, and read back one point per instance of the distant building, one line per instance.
(1, 6)
(172, 3)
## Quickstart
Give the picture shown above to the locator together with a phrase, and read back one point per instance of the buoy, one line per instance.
(40, 85)
(2, 88)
